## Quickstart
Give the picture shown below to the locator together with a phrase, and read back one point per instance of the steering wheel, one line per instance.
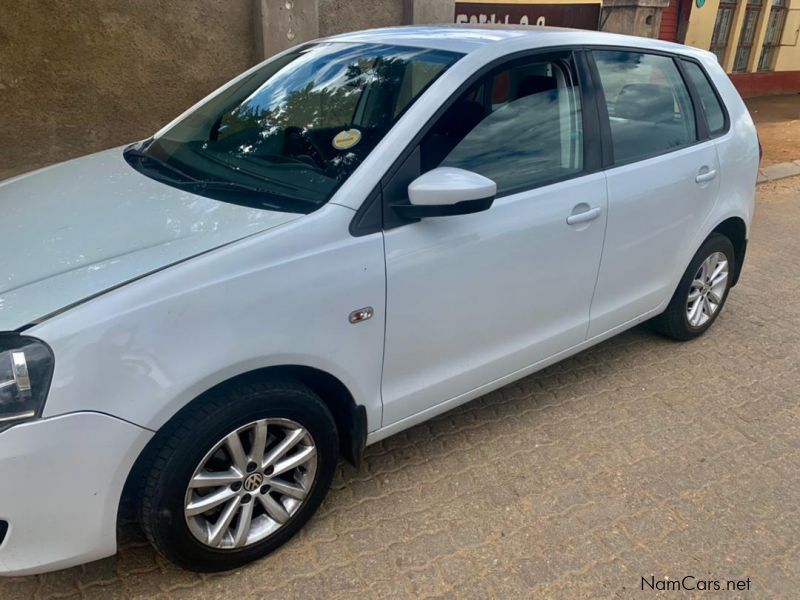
(295, 136)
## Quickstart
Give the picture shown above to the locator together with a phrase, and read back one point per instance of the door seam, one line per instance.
(600, 262)
(385, 322)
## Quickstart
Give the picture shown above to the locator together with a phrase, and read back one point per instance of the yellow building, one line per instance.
(756, 41)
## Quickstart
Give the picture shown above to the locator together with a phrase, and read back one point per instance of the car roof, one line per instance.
(466, 39)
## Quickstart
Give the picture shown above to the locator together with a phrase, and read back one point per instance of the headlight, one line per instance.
(26, 368)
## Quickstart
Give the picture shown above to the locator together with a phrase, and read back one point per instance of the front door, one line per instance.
(473, 298)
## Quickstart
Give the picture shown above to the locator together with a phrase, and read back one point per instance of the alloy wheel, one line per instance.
(707, 290)
(251, 483)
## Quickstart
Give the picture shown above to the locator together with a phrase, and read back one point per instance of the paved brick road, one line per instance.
(638, 457)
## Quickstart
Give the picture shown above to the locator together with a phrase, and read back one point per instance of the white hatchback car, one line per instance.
(344, 241)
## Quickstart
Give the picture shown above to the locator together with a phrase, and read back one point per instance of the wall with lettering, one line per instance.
(583, 15)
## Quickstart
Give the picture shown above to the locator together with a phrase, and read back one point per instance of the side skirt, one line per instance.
(422, 416)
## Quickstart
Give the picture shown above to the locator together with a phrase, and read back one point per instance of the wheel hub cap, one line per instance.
(251, 483)
(707, 290)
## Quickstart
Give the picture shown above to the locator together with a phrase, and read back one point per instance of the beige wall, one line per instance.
(701, 24)
(789, 55)
(76, 77)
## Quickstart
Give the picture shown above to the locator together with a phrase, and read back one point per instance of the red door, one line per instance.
(669, 22)
(674, 19)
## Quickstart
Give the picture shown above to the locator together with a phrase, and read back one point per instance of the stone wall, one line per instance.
(338, 16)
(632, 17)
(77, 77)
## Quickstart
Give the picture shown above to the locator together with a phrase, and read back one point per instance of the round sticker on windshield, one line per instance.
(346, 139)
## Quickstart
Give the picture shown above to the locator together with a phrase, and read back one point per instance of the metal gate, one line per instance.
(722, 29)
(777, 20)
(745, 47)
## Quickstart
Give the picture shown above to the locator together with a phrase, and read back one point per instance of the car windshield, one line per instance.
(286, 136)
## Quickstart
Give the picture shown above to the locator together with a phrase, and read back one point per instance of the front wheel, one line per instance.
(702, 291)
(238, 475)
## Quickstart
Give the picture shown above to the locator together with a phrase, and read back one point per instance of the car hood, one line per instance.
(79, 228)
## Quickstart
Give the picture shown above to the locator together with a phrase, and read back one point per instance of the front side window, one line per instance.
(649, 107)
(711, 104)
(289, 134)
(520, 126)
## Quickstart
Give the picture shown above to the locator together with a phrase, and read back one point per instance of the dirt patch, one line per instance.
(778, 121)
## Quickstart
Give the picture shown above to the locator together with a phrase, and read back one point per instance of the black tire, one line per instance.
(674, 321)
(187, 440)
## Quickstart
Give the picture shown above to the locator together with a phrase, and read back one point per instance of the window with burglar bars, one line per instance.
(722, 29)
(772, 39)
(751, 13)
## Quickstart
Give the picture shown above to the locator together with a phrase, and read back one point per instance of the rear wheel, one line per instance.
(239, 475)
(702, 291)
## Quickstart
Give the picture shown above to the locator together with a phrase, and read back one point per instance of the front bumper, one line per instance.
(60, 484)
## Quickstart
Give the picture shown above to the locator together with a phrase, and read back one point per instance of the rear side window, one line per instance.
(649, 107)
(715, 115)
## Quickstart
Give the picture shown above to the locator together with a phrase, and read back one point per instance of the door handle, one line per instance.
(705, 176)
(583, 217)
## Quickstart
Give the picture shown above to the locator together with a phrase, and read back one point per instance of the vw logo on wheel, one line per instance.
(253, 482)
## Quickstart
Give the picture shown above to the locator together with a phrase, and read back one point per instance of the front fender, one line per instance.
(144, 351)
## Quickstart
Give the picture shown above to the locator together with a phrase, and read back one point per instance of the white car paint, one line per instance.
(646, 224)
(80, 451)
(462, 305)
(293, 296)
(448, 185)
(137, 226)
(449, 282)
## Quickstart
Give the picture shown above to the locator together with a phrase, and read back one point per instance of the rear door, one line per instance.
(663, 180)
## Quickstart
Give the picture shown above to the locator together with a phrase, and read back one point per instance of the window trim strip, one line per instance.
(700, 118)
(726, 117)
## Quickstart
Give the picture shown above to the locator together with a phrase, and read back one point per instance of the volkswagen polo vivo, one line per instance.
(348, 239)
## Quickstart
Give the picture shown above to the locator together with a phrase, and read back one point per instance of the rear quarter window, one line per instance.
(715, 114)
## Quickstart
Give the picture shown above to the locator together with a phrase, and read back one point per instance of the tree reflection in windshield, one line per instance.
(296, 128)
